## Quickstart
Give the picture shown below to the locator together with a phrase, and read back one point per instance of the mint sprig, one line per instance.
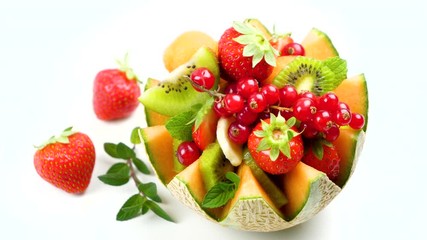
(127, 169)
(222, 192)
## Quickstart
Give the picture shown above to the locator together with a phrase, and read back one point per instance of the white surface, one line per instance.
(50, 53)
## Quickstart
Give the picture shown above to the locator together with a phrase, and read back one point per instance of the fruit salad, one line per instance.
(254, 130)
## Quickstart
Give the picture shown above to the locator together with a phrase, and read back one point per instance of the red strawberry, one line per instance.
(275, 145)
(66, 161)
(205, 133)
(244, 51)
(324, 157)
(115, 93)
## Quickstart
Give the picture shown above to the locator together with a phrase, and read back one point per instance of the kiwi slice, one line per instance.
(213, 165)
(175, 94)
(277, 196)
(309, 74)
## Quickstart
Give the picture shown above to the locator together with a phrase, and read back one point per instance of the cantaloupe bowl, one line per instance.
(255, 206)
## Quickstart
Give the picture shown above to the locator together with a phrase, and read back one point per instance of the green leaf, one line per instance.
(131, 208)
(117, 175)
(274, 153)
(285, 149)
(233, 177)
(270, 58)
(264, 144)
(140, 165)
(150, 190)
(202, 112)
(135, 136)
(180, 127)
(243, 28)
(158, 210)
(124, 152)
(291, 122)
(219, 195)
(317, 149)
(338, 66)
(111, 150)
(247, 40)
(258, 56)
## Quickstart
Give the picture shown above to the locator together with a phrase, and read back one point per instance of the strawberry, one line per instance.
(115, 93)
(275, 145)
(244, 52)
(323, 156)
(205, 133)
(66, 161)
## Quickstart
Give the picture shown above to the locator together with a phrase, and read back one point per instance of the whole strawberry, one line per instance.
(323, 156)
(116, 93)
(244, 51)
(275, 145)
(66, 161)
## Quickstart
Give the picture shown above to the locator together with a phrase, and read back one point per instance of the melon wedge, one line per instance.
(158, 147)
(308, 191)
(318, 45)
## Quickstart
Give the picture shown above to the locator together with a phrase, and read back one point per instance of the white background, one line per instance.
(50, 52)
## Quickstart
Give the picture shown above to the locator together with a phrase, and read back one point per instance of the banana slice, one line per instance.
(232, 151)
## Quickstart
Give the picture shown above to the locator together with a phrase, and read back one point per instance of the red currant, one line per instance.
(220, 109)
(187, 153)
(304, 109)
(343, 105)
(233, 103)
(271, 93)
(323, 120)
(328, 101)
(287, 96)
(246, 116)
(332, 133)
(308, 94)
(294, 49)
(342, 117)
(357, 121)
(231, 88)
(247, 87)
(257, 102)
(239, 133)
(308, 130)
(202, 77)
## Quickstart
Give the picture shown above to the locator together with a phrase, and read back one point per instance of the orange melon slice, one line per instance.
(318, 45)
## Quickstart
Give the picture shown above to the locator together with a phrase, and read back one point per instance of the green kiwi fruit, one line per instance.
(175, 94)
(277, 196)
(213, 165)
(309, 74)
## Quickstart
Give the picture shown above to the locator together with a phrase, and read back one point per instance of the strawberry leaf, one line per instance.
(274, 153)
(317, 149)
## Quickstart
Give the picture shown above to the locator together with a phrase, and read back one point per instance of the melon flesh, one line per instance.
(318, 45)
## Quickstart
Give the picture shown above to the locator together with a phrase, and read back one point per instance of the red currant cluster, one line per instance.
(248, 102)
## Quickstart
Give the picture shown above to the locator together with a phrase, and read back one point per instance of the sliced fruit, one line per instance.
(318, 45)
(189, 188)
(176, 94)
(204, 131)
(232, 151)
(184, 46)
(349, 146)
(158, 146)
(281, 63)
(276, 195)
(251, 208)
(213, 165)
(354, 92)
(308, 191)
(153, 118)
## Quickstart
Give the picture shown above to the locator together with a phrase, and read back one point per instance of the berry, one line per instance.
(308, 94)
(324, 158)
(257, 102)
(187, 153)
(220, 109)
(115, 94)
(246, 116)
(322, 120)
(328, 101)
(294, 49)
(271, 93)
(247, 87)
(288, 95)
(342, 117)
(202, 77)
(233, 103)
(308, 130)
(332, 133)
(66, 161)
(238, 133)
(304, 109)
(357, 121)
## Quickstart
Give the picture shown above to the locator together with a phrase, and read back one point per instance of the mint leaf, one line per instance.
(140, 165)
(134, 137)
(339, 67)
(222, 192)
(150, 190)
(117, 175)
(111, 150)
(131, 208)
(124, 152)
(180, 126)
(202, 112)
(158, 210)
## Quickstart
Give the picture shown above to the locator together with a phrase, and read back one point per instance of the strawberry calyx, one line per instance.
(61, 138)
(276, 136)
(317, 148)
(124, 67)
(256, 44)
